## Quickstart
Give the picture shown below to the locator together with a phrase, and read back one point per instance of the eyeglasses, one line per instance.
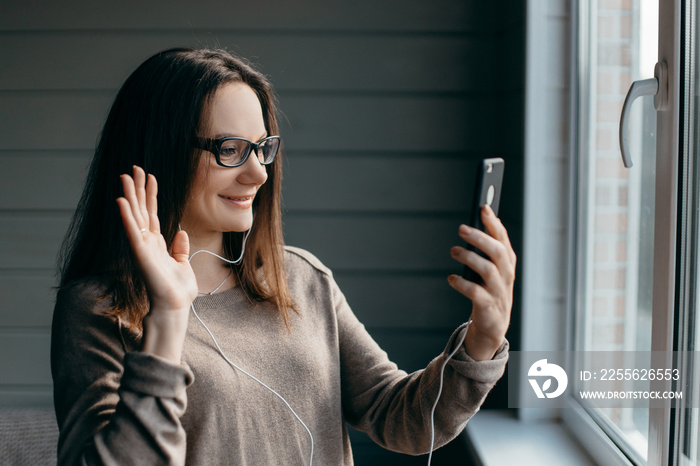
(233, 151)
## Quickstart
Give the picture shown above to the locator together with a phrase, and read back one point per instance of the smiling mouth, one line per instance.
(240, 199)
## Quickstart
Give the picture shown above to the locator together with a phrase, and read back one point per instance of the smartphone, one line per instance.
(488, 192)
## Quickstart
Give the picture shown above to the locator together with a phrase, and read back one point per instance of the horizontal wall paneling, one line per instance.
(31, 241)
(71, 120)
(268, 15)
(101, 60)
(30, 396)
(55, 179)
(323, 182)
(24, 358)
(28, 298)
(344, 242)
(420, 300)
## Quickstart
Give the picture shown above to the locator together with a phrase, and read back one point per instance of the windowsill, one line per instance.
(498, 437)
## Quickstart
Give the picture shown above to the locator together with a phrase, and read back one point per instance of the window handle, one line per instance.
(655, 86)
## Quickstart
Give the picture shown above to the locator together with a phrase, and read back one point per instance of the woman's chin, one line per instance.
(240, 226)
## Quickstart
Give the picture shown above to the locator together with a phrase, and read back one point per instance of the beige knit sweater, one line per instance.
(118, 406)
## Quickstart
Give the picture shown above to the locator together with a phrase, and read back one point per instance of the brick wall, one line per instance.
(609, 182)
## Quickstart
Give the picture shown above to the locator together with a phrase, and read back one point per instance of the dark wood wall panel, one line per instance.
(267, 15)
(31, 241)
(29, 296)
(343, 242)
(369, 242)
(56, 179)
(71, 120)
(332, 61)
(342, 182)
(24, 358)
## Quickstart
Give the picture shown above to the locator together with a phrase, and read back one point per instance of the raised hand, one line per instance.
(492, 301)
(170, 281)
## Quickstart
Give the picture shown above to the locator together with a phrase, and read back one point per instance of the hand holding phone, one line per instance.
(488, 192)
(491, 302)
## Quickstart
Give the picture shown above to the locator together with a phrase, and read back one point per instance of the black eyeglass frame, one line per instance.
(214, 146)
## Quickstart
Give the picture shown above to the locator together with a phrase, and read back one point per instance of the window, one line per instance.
(637, 231)
(616, 208)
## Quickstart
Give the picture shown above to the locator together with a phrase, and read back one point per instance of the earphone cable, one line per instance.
(437, 398)
(234, 366)
(245, 238)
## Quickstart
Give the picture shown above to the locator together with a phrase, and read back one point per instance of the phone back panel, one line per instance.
(488, 192)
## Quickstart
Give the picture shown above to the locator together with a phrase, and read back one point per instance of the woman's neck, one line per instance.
(213, 242)
(212, 273)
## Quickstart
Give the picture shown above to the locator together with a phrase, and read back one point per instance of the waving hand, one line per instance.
(170, 281)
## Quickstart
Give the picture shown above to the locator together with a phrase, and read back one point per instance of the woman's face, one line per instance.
(221, 199)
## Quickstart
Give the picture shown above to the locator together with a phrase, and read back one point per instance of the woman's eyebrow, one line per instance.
(229, 135)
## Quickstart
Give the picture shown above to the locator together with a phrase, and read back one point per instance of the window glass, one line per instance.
(689, 322)
(616, 233)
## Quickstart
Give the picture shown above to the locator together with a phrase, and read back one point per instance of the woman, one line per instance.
(179, 302)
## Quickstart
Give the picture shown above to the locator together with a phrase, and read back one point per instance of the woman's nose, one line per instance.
(253, 171)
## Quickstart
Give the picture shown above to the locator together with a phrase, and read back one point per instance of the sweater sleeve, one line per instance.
(393, 407)
(112, 406)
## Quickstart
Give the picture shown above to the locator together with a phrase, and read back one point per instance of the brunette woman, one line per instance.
(185, 332)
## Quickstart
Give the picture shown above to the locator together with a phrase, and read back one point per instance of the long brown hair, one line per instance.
(153, 122)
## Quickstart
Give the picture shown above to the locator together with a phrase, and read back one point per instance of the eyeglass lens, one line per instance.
(234, 151)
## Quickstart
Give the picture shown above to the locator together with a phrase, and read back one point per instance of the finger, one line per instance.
(469, 289)
(500, 254)
(487, 270)
(133, 232)
(130, 196)
(494, 249)
(181, 247)
(495, 228)
(140, 185)
(152, 203)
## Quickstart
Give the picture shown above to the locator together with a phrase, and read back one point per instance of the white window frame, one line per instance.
(602, 446)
